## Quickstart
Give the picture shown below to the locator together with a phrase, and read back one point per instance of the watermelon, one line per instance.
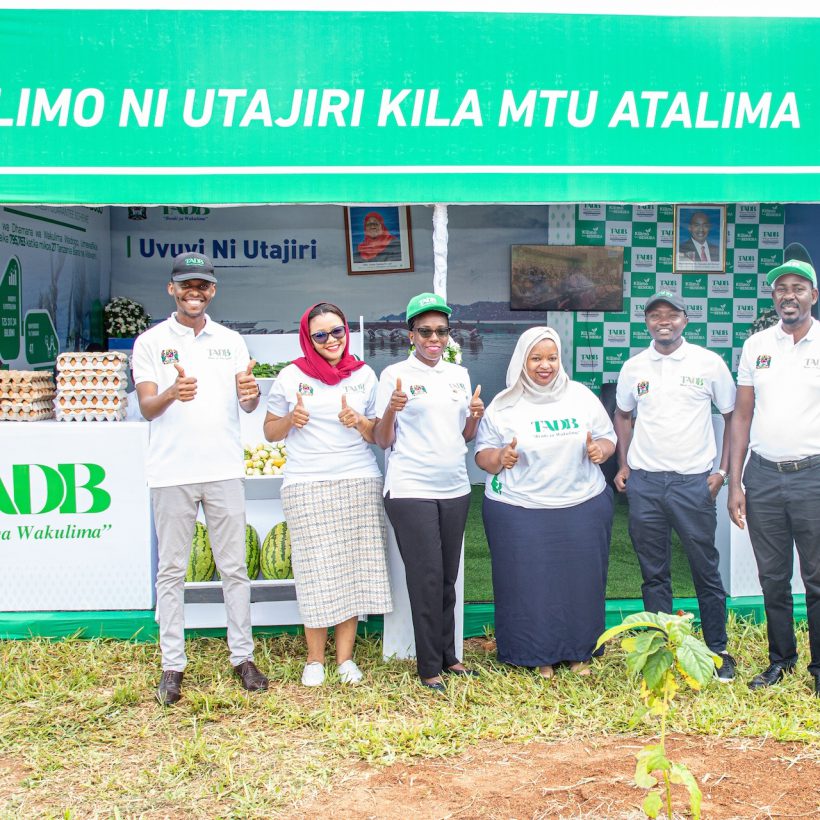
(201, 562)
(252, 551)
(274, 557)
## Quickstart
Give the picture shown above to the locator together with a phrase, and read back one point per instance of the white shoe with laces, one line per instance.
(349, 672)
(313, 674)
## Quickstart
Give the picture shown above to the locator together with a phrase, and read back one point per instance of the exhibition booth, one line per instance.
(270, 159)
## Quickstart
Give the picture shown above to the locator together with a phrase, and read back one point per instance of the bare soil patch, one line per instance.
(589, 778)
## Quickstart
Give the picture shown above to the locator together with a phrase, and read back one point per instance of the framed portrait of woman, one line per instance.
(378, 239)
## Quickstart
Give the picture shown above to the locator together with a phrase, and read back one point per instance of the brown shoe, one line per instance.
(168, 692)
(252, 679)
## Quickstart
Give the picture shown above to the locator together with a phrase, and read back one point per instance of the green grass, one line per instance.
(81, 735)
(624, 573)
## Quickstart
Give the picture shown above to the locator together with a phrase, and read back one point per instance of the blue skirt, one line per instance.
(549, 579)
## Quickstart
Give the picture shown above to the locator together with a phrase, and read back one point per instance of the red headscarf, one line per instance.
(313, 365)
(370, 248)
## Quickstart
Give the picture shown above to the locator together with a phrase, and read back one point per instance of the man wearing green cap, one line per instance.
(777, 417)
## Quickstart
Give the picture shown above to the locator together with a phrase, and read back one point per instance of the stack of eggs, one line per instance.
(26, 395)
(91, 386)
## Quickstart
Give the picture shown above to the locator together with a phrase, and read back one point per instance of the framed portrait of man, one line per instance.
(700, 238)
(378, 239)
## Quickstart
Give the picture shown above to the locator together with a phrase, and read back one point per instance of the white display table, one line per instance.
(75, 521)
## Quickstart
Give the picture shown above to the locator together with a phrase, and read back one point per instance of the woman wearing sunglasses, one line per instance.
(426, 415)
(322, 405)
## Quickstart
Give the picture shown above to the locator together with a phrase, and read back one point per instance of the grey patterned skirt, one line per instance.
(338, 545)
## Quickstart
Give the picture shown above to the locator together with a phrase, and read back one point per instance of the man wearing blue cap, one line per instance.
(777, 416)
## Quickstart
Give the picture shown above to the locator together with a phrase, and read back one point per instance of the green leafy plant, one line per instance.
(664, 655)
(765, 319)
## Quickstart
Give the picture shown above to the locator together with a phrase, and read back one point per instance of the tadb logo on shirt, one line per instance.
(305, 389)
(417, 390)
(169, 356)
(643, 388)
(763, 361)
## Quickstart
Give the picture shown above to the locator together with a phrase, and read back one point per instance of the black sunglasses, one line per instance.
(427, 332)
(321, 336)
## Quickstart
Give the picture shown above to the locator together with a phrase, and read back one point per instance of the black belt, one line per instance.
(786, 466)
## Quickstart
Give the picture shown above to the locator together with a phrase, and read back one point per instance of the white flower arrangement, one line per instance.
(452, 352)
(125, 318)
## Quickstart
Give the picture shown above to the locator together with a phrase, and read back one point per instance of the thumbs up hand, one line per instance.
(299, 416)
(594, 451)
(348, 416)
(476, 405)
(509, 454)
(184, 388)
(398, 399)
(246, 385)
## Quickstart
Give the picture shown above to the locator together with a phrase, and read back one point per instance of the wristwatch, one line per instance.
(724, 475)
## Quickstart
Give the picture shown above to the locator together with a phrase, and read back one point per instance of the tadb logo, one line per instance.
(37, 488)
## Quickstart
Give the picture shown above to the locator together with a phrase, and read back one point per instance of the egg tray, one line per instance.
(24, 404)
(105, 360)
(9, 413)
(41, 394)
(92, 379)
(91, 414)
(25, 379)
(91, 399)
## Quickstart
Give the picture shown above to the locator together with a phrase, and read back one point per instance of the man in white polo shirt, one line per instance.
(192, 375)
(666, 463)
(778, 416)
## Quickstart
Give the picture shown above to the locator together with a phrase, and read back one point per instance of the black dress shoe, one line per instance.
(816, 676)
(168, 692)
(464, 673)
(252, 679)
(769, 677)
(436, 686)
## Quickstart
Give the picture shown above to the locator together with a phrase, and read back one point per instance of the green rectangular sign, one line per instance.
(200, 106)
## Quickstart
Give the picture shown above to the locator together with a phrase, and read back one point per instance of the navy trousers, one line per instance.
(658, 503)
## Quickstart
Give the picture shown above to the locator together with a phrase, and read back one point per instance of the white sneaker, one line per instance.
(313, 674)
(349, 672)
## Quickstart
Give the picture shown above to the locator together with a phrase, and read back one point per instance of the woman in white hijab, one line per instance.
(547, 509)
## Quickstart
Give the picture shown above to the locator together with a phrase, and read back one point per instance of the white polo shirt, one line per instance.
(199, 440)
(673, 394)
(553, 469)
(324, 448)
(427, 457)
(786, 381)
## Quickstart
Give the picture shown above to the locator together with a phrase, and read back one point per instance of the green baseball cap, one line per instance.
(427, 301)
(796, 267)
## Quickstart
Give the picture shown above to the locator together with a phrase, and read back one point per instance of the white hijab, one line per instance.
(519, 384)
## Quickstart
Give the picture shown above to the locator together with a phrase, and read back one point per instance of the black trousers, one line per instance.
(782, 510)
(659, 502)
(429, 533)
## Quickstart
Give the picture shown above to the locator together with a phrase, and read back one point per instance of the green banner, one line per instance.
(42, 345)
(10, 286)
(226, 107)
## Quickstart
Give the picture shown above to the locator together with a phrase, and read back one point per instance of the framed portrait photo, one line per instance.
(700, 238)
(378, 239)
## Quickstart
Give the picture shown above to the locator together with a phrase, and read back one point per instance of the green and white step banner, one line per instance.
(218, 107)
(720, 306)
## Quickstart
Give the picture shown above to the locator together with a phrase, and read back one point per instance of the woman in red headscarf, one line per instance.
(378, 245)
(323, 406)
